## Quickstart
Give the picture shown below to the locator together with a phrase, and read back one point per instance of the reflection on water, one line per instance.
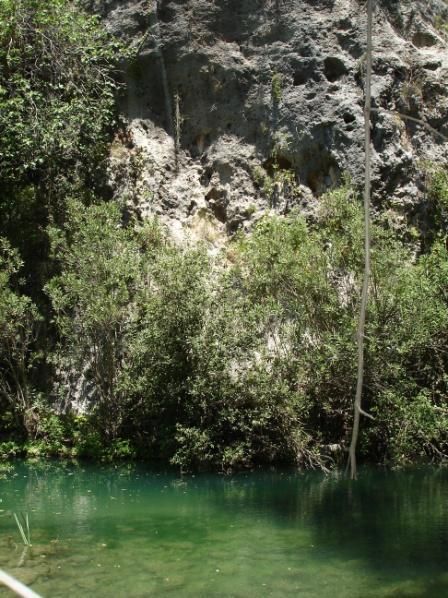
(132, 532)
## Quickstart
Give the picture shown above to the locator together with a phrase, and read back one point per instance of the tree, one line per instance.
(19, 319)
(56, 89)
(358, 411)
(92, 299)
(57, 110)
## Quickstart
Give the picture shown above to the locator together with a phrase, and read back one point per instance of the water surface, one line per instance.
(127, 531)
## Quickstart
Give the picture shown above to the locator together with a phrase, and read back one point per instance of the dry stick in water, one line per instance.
(365, 286)
(16, 586)
(26, 537)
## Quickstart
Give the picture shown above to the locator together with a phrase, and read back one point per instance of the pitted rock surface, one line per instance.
(227, 98)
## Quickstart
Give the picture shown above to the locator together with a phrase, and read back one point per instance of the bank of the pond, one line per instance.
(146, 533)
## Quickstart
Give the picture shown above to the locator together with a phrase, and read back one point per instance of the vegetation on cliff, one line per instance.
(245, 359)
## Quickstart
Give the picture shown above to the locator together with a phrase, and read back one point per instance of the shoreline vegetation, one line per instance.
(116, 343)
(238, 360)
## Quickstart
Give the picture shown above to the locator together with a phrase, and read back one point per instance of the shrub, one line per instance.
(57, 88)
(248, 358)
(57, 111)
(92, 299)
(19, 320)
(172, 305)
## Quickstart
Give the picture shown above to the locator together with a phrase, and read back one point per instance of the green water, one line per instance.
(104, 531)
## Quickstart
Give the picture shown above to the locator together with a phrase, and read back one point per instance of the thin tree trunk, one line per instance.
(365, 287)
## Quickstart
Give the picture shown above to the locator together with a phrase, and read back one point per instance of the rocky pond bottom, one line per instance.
(127, 531)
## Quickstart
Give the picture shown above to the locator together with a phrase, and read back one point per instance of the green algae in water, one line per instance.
(127, 531)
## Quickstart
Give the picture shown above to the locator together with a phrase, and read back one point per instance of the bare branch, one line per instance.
(418, 121)
(365, 287)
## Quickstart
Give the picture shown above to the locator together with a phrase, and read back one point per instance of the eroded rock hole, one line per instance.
(217, 204)
(300, 78)
(423, 39)
(165, 13)
(324, 175)
(348, 117)
(277, 163)
(334, 68)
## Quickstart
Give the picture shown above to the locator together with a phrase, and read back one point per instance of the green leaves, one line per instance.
(19, 319)
(58, 87)
(229, 362)
(233, 363)
(92, 298)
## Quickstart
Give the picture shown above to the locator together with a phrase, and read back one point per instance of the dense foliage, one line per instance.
(18, 322)
(56, 87)
(57, 109)
(243, 359)
(116, 343)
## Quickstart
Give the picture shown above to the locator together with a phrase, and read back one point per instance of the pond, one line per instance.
(127, 531)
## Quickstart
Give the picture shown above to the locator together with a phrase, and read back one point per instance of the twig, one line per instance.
(418, 121)
(16, 586)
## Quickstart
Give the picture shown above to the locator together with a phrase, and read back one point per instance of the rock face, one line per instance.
(238, 106)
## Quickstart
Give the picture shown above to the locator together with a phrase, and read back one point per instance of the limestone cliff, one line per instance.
(238, 106)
